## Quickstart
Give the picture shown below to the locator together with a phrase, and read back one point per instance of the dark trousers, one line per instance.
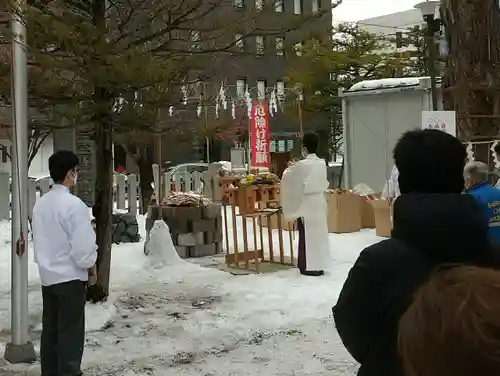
(302, 257)
(63, 333)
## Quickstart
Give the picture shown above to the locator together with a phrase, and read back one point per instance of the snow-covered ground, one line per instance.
(190, 319)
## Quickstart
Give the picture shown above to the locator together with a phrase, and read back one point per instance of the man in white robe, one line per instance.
(391, 188)
(303, 187)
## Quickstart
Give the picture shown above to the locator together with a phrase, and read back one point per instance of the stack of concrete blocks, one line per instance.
(195, 231)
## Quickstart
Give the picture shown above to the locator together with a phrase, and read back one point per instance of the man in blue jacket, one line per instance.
(477, 185)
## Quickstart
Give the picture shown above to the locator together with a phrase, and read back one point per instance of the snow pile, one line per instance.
(160, 248)
(170, 316)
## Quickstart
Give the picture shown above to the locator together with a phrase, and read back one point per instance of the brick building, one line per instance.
(260, 62)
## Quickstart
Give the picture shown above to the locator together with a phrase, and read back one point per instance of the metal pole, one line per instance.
(207, 138)
(249, 152)
(431, 45)
(159, 157)
(19, 350)
(205, 112)
(301, 123)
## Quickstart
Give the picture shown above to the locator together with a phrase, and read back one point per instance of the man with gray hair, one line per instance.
(488, 197)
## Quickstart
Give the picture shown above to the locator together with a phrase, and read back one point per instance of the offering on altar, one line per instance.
(264, 178)
(185, 199)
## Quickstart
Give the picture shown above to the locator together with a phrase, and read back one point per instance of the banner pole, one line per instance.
(19, 349)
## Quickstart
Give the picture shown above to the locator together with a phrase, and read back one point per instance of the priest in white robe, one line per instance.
(303, 199)
(391, 188)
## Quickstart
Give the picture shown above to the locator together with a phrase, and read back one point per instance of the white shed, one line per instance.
(375, 114)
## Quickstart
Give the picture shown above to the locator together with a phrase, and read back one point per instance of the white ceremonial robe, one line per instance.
(303, 187)
(391, 188)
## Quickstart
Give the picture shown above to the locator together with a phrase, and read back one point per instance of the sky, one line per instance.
(353, 10)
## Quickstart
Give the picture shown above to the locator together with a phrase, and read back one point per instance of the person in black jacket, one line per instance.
(433, 225)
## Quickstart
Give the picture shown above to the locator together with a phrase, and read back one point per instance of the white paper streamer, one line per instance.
(273, 104)
(222, 97)
(248, 99)
(470, 152)
(198, 110)
(493, 155)
(171, 110)
(184, 91)
(233, 110)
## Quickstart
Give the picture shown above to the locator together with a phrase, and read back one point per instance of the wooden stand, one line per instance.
(254, 204)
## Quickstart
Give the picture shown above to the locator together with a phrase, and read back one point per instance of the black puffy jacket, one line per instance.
(430, 231)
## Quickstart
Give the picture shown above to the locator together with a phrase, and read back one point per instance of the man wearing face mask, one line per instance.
(303, 187)
(65, 249)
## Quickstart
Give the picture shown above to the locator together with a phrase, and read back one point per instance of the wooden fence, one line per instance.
(127, 189)
(127, 195)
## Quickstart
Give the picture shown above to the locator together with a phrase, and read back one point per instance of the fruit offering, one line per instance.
(264, 178)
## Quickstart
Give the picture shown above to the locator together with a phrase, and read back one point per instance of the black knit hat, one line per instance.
(430, 161)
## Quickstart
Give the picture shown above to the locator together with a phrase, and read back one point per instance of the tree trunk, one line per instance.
(145, 165)
(472, 83)
(103, 209)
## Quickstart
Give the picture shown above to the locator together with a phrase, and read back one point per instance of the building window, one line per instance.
(279, 6)
(239, 42)
(259, 44)
(239, 4)
(194, 40)
(316, 6)
(280, 90)
(261, 90)
(297, 6)
(298, 47)
(241, 86)
(259, 5)
(280, 46)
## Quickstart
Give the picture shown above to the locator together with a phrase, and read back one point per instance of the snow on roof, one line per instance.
(387, 83)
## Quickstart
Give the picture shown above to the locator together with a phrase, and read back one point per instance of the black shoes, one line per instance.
(312, 273)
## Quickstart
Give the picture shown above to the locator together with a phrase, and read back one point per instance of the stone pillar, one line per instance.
(84, 147)
(85, 150)
(211, 184)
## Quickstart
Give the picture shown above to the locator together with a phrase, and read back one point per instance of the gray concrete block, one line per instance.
(178, 225)
(218, 235)
(203, 225)
(211, 211)
(203, 250)
(183, 252)
(190, 239)
(219, 247)
(192, 213)
(208, 237)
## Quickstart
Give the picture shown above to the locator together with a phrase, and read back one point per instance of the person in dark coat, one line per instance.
(433, 225)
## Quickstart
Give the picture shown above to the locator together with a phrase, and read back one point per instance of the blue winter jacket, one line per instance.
(489, 199)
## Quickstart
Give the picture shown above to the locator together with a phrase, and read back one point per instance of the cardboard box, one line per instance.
(344, 212)
(367, 213)
(383, 217)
